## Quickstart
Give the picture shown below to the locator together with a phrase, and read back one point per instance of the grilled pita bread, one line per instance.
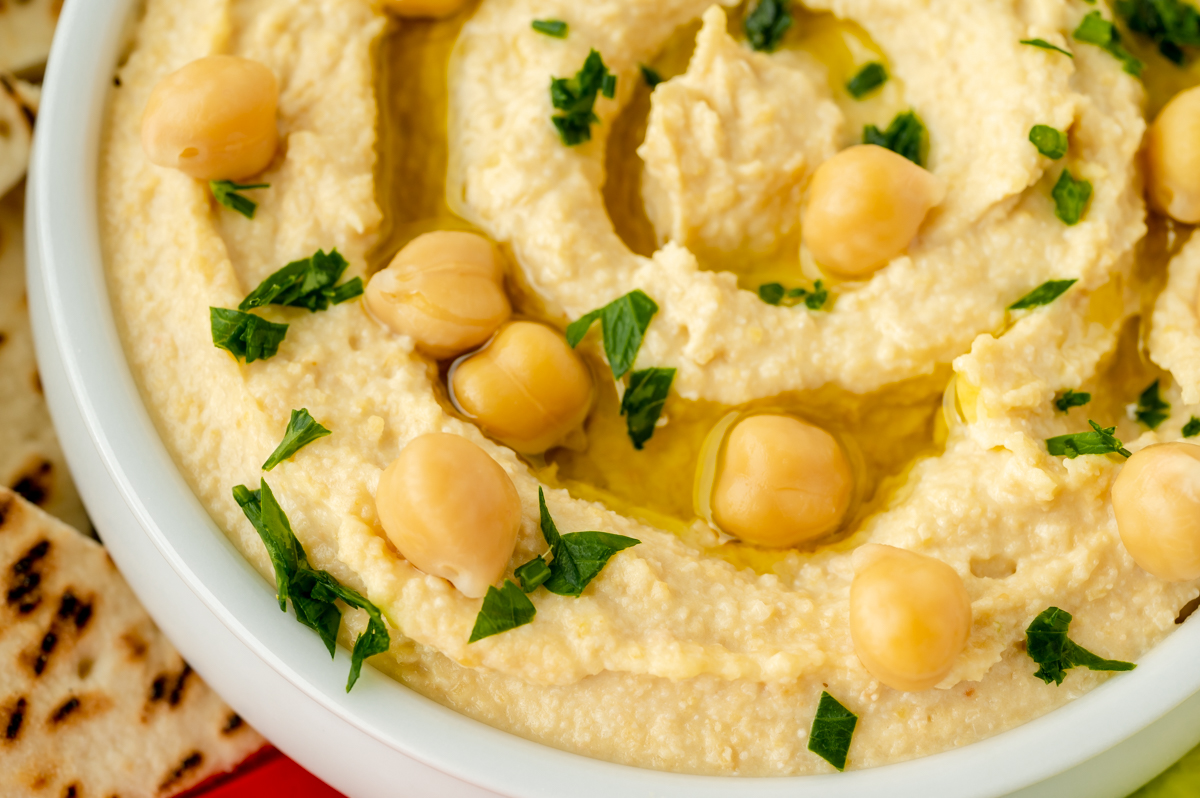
(26, 28)
(93, 699)
(16, 133)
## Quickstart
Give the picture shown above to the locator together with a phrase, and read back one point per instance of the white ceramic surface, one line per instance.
(382, 739)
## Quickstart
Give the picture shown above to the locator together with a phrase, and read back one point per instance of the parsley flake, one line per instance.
(623, 323)
(1172, 24)
(1069, 398)
(533, 574)
(905, 136)
(551, 27)
(1045, 45)
(776, 294)
(226, 193)
(1095, 29)
(245, 335)
(867, 80)
(301, 431)
(578, 557)
(1071, 197)
(1099, 441)
(1047, 644)
(651, 77)
(643, 402)
(503, 609)
(576, 98)
(832, 730)
(767, 23)
(1192, 428)
(307, 283)
(1044, 294)
(1152, 410)
(313, 593)
(1049, 141)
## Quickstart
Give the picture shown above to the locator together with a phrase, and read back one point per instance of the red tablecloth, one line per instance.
(267, 774)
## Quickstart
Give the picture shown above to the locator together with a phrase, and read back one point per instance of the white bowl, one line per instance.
(384, 739)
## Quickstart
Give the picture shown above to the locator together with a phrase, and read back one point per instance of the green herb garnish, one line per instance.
(313, 593)
(643, 402)
(1151, 409)
(869, 78)
(905, 135)
(551, 27)
(767, 23)
(1045, 45)
(1172, 24)
(1069, 398)
(1048, 645)
(1098, 441)
(1049, 141)
(1044, 294)
(1095, 29)
(503, 609)
(301, 431)
(623, 323)
(832, 730)
(1070, 197)
(245, 335)
(1192, 428)
(307, 283)
(776, 294)
(226, 193)
(651, 77)
(533, 574)
(578, 557)
(576, 98)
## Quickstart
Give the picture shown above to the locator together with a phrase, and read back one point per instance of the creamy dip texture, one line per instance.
(691, 651)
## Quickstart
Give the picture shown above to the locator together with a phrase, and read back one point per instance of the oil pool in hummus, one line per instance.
(720, 373)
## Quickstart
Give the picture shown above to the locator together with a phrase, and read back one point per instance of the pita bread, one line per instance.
(92, 696)
(16, 134)
(26, 29)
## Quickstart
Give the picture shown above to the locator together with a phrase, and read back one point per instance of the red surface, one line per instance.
(267, 774)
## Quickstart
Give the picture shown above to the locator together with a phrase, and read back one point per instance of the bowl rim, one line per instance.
(64, 212)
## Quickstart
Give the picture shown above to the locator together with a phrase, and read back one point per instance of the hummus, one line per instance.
(689, 652)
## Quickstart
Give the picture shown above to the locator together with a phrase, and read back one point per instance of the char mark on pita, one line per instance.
(190, 763)
(16, 719)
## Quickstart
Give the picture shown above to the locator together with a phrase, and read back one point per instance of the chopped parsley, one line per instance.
(503, 609)
(643, 402)
(651, 77)
(1099, 441)
(1045, 45)
(832, 730)
(776, 294)
(1192, 428)
(576, 99)
(313, 593)
(1049, 141)
(867, 80)
(905, 136)
(1071, 197)
(1068, 399)
(1044, 294)
(1172, 24)
(1048, 645)
(533, 574)
(308, 283)
(245, 335)
(767, 23)
(623, 323)
(551, 27)
(226, 193)
(1095, 29)
(301, 431)
(1151, 409)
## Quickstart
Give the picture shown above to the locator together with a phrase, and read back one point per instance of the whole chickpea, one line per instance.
(910, 616)
(1172, 158)
(445, 290)
(527, 388)
(451, 510)
(214, 119)
(1156, 500)
(782, 482)
(423, 8)
(865, 205)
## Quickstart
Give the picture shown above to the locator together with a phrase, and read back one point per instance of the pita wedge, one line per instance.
(93, 699)
(26, 29)
(16, 133)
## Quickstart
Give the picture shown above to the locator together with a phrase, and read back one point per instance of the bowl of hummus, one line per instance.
(645, 395)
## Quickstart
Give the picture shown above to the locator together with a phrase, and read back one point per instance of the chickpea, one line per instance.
(423, 8)
(782, 482)
(214, 119)
(910, 616)
(527, 388)
(1172, 158)
(451, 510)
(1156, 500)
(865, 205)
(445, 290)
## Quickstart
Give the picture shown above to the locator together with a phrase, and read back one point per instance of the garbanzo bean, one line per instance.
(1156, 500)
(527, 388)
(445, 290)
(451, 510)
(865, 205)
(1172, 158)
(910, 616)
(423, 8)
(781, 482)
(214, 119)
